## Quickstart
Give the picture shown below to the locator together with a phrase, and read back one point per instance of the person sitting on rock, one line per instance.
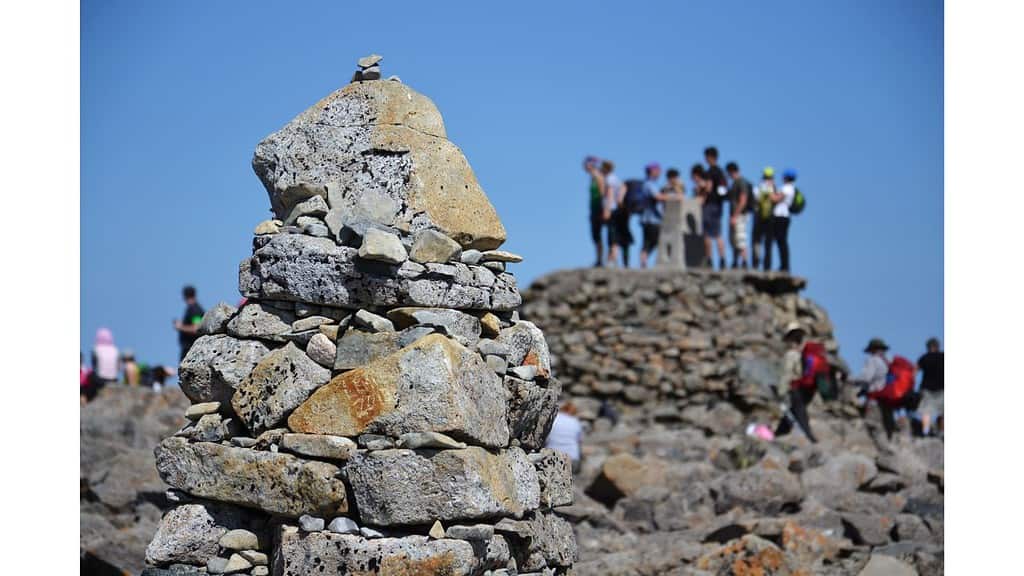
(566, 434)
(789, 379)
(130, 368)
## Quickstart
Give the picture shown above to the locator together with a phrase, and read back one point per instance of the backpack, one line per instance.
(634, 200)
(817, 373)
(799, 202)
(899, 381)
(764, 205)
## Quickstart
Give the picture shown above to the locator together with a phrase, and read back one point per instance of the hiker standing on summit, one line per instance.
(711, 213)
(651, 212)
(740, 202)
(778, 229)
(591, 165)
(616, 215)
(760, 239)
(188, 326)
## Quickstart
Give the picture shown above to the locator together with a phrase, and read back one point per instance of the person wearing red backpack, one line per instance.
(803, 366)
(885, 381)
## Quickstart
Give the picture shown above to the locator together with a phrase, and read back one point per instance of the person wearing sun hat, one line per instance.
(799, 397)
(872, 378)
(762, 215)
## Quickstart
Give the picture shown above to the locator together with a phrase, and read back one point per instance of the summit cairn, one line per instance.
(376, 406)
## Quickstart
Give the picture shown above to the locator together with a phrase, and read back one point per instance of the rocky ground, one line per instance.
(122, 496)
(701, 497)
(677, 487)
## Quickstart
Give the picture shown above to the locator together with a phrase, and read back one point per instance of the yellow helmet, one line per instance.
(769, 172)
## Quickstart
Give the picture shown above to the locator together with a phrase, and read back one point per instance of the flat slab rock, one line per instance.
(277, 483)
(329, 553)
(296, 267)
(433, 385)
(402, 487)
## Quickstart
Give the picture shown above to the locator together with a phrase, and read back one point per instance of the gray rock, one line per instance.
(343, 525)
(524, 372)
(216, 365)
(762, 489)
(487, 346)
(436, 440)
(317, 271)
(371, 60)
(531, 411)
(496, 267)
(243, 441)
(461, 326)
(397, 487)
(322, 350)
(436, 530)
(216, 319)
(527, 347)
(210, 428)
(351, 554)
(370, 533)
(188, 534)
(842, 472)
(869, 529)
(432, 246)
(500, 256)
(373, 322)
(554, 473)
(267, 227)
(260, 571)
(197, 411)
(882, 565)
(319, 446)
(311, 523)
(434, 385)
(471, 256)
(217, 565)
(315, 206)
(497, 363)
(317, 229)
(239, 539)
(256, 321)
(255, 557)
(382, 246)
(282, 381)
(473, 533)
(310, 322)
(278, 483)
(357, 348)
(371, 73)
(375, 442)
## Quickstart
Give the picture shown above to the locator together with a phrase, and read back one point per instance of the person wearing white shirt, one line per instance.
(779, 227)
(566, 434)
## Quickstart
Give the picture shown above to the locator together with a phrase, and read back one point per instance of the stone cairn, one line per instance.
(376, 406)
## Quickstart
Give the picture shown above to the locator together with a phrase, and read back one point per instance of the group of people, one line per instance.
(891, 383)
(109, 365)
(613, 202)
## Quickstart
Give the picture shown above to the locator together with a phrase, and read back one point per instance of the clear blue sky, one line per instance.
(175, 96)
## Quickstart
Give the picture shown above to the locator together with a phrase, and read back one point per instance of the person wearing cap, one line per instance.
(592, 166)
(778, 230)
(872, 378)
(650, 215)
(740, 201)
(799, 397)
(762, 215)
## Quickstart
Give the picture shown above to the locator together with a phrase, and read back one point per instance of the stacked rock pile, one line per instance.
(672, 344)
(376, 406)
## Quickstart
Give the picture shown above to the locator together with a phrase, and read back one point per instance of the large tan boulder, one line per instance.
(377, 151)
(432, 385)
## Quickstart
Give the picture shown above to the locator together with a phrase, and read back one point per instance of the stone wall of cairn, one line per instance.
(376, 406)
(670, 345)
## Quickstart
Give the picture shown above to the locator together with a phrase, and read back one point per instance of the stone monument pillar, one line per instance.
(376, 406)
(681, 242)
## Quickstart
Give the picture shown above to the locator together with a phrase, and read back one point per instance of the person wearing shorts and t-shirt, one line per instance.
(650, 215)
(740, 199)
(711, 213)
